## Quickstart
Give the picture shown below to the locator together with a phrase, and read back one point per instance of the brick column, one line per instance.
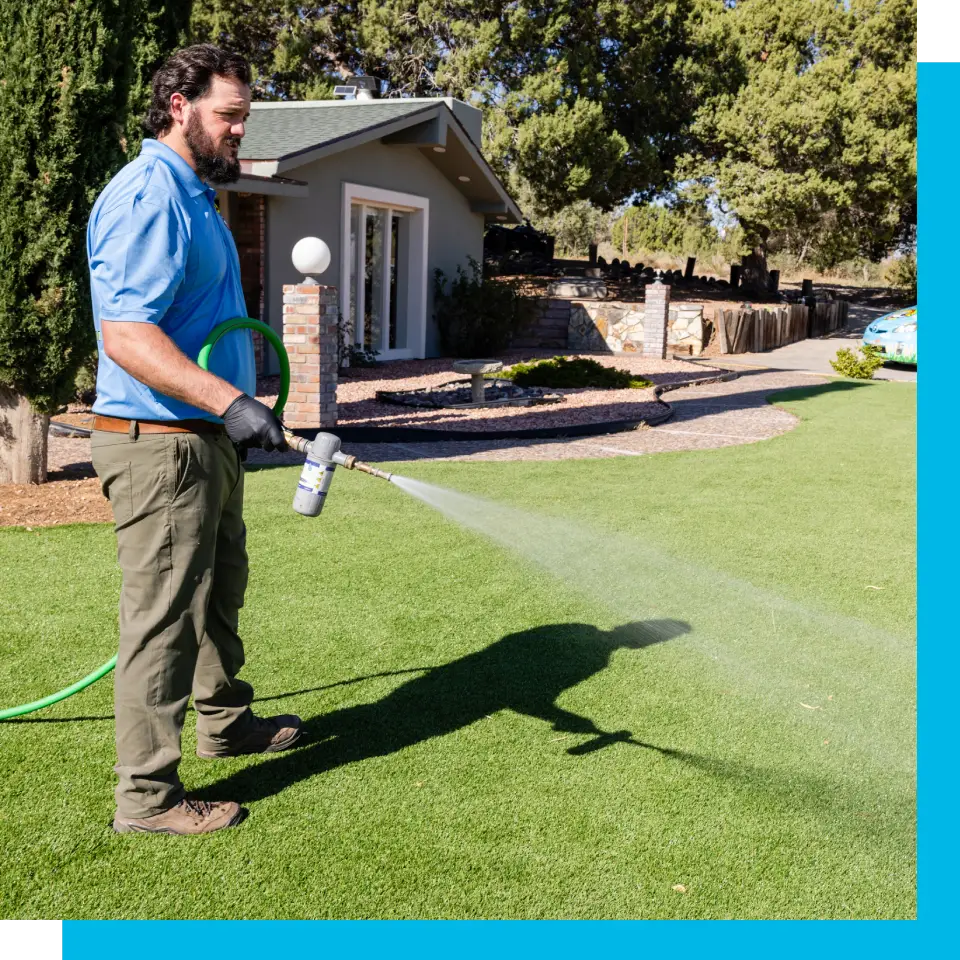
(310, 336)
(656, 318)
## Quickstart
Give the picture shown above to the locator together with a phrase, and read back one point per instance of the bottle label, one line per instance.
(311, 478)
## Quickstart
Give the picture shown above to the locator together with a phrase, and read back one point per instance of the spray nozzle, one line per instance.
(356, 464)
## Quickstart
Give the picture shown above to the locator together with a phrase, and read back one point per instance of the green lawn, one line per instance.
(444, 676)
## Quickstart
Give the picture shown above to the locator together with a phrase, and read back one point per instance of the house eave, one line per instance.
(267, 184)
(376, 132)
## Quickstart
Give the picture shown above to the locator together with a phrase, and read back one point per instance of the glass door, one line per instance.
(378, 282)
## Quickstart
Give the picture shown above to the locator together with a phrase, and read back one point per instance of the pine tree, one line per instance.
(74, 80)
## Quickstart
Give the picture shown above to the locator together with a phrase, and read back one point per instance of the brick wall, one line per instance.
(248, 225)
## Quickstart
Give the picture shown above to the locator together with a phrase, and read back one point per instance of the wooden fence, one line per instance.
(828, 317)
(753, 330)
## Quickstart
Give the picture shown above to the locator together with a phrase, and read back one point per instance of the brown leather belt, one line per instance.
(136, 427)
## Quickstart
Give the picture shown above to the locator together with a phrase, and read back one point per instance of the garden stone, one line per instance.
(574, 288)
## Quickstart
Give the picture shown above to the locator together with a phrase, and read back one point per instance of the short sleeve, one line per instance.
(138, 257)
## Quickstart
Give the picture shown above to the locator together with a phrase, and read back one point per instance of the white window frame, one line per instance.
(417, 210)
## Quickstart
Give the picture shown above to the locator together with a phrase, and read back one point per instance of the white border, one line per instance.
(938, 31)
(32, 939)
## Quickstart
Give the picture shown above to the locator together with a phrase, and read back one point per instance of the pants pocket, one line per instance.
(185, 467)
(116, 482)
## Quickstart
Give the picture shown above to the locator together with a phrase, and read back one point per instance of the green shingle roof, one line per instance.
(276, 132)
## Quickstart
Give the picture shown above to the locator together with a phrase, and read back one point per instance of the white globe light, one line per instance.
(311, 256)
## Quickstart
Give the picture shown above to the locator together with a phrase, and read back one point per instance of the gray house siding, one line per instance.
(454, 232)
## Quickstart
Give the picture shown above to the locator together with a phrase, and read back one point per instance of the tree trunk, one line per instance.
(755, 277)
(23, 440)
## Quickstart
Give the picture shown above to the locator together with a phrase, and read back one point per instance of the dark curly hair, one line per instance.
(190, 71)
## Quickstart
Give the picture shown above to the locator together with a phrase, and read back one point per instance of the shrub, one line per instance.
(848, 364)
(74, 79)
(477, 318)
(902, 273)
(349, 355)
(579, 372)
(85, 382)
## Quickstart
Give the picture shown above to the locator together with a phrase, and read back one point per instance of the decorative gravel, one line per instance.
(357, 405)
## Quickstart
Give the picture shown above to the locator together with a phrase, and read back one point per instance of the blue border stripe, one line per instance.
(468, 939)
(939, 150)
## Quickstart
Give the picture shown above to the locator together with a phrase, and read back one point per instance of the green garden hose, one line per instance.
(248, 323)
(203, 360)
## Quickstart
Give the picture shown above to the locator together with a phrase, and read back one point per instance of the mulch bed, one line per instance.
(51, 504)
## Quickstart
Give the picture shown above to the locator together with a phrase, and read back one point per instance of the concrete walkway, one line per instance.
(814, 356)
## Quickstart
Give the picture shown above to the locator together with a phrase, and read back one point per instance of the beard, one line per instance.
(212, 166)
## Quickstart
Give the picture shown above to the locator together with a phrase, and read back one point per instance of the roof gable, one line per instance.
(280, 132)
(282, 136)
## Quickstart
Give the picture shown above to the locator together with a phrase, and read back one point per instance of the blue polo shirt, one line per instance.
(160, 253)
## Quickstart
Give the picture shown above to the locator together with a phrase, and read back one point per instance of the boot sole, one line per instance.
(272, 748)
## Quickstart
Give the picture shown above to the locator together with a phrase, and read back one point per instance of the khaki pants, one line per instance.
(177, 502)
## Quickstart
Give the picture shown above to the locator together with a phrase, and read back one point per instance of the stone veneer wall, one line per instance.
(597, 326)
(550, 326)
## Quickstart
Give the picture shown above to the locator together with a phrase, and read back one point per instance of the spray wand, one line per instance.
(323, 452)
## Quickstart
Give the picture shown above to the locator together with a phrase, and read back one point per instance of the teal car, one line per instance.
(895, 334)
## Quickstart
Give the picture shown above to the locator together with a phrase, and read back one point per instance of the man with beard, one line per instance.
(168, 441)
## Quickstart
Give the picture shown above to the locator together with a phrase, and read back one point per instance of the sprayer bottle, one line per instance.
(323, 455)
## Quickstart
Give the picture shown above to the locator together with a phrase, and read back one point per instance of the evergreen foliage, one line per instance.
(560, 372)
(581, 101)
(812, 143)
(73, 83)
(848, 364)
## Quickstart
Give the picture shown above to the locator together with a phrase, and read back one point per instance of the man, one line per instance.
(164, 272)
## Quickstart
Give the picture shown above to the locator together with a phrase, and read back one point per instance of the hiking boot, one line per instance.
(189, 816)
(262, 735)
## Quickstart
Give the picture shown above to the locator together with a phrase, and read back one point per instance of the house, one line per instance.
(396, 188)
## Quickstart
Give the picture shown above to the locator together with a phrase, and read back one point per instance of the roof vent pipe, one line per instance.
(367, 87)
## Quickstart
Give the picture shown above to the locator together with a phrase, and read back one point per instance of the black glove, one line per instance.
(250, 423)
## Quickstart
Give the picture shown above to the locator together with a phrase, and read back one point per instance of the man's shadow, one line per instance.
(525, 672)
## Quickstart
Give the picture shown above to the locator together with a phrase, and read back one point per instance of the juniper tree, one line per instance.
(73, 82)
(813, 136)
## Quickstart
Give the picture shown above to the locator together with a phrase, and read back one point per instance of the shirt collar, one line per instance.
(181, 169)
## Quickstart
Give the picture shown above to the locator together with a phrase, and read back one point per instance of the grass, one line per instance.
(429, 662)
